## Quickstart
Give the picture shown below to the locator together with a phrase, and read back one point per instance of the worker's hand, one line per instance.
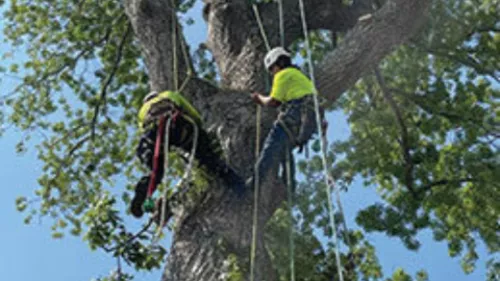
(256, 98)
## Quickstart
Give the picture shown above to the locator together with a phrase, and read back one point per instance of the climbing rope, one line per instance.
(187, 171)
(174, 47)
(261, 26)
(288, 161)
(322, 142)
(257, 153)
(189, 167)
(255, 197)
(175, 58)
(282, 23)
(188, 63)
(290, 213)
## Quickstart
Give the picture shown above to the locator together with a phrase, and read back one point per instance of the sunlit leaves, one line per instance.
(444, 86)
(86, 118)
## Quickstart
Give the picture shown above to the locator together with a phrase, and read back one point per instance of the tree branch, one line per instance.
(468, 61)
(330, 15)
(104, 88)
(65, 161)
(368, 43)
(237, 45)
(133, 237)
(405, 142)
(453, 117)
(152, 22)
(429, 186)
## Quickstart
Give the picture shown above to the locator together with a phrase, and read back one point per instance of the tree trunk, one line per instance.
(220, 224)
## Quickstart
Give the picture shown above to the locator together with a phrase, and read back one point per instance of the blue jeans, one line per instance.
(278, 143)
(276, 146)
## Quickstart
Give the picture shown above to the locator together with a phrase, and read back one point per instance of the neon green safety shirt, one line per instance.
(177, 99)
(290, 84)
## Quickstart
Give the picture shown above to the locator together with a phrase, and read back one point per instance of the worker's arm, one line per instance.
(266, 101)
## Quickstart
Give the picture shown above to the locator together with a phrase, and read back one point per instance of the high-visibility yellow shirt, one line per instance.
(177, 99)
(290, 84)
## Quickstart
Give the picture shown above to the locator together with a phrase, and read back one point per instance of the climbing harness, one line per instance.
(165, 123)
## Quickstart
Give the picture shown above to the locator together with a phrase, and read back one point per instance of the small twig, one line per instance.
(77, 146)
(118, 268)
(106, 249)
(68, 134)
(65, 160)
(13, 76)
(135, 236)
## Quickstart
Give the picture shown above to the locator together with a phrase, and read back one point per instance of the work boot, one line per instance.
(141, 192)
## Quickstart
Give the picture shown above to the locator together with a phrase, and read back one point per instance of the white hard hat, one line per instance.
(273, 55)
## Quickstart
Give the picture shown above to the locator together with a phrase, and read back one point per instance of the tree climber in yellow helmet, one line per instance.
(181, 134)
(292, 92)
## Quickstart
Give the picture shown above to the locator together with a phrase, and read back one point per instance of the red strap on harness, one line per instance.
(175, 115)
(156, 158)
(159, 139)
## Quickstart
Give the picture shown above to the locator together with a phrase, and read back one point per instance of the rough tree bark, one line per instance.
(220, 224)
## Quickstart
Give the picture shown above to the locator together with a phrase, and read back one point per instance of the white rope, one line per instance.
(187, 172)
(288, 162)
(290, 209)
(174, 47)
(322, 142)
(257, 153)
(187, 61)
(261, 26)
(189, 168)
(282, 23)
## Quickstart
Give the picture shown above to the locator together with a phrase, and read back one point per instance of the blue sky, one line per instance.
(29, 252)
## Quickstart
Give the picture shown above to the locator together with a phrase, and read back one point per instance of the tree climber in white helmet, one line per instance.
(292, 92)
